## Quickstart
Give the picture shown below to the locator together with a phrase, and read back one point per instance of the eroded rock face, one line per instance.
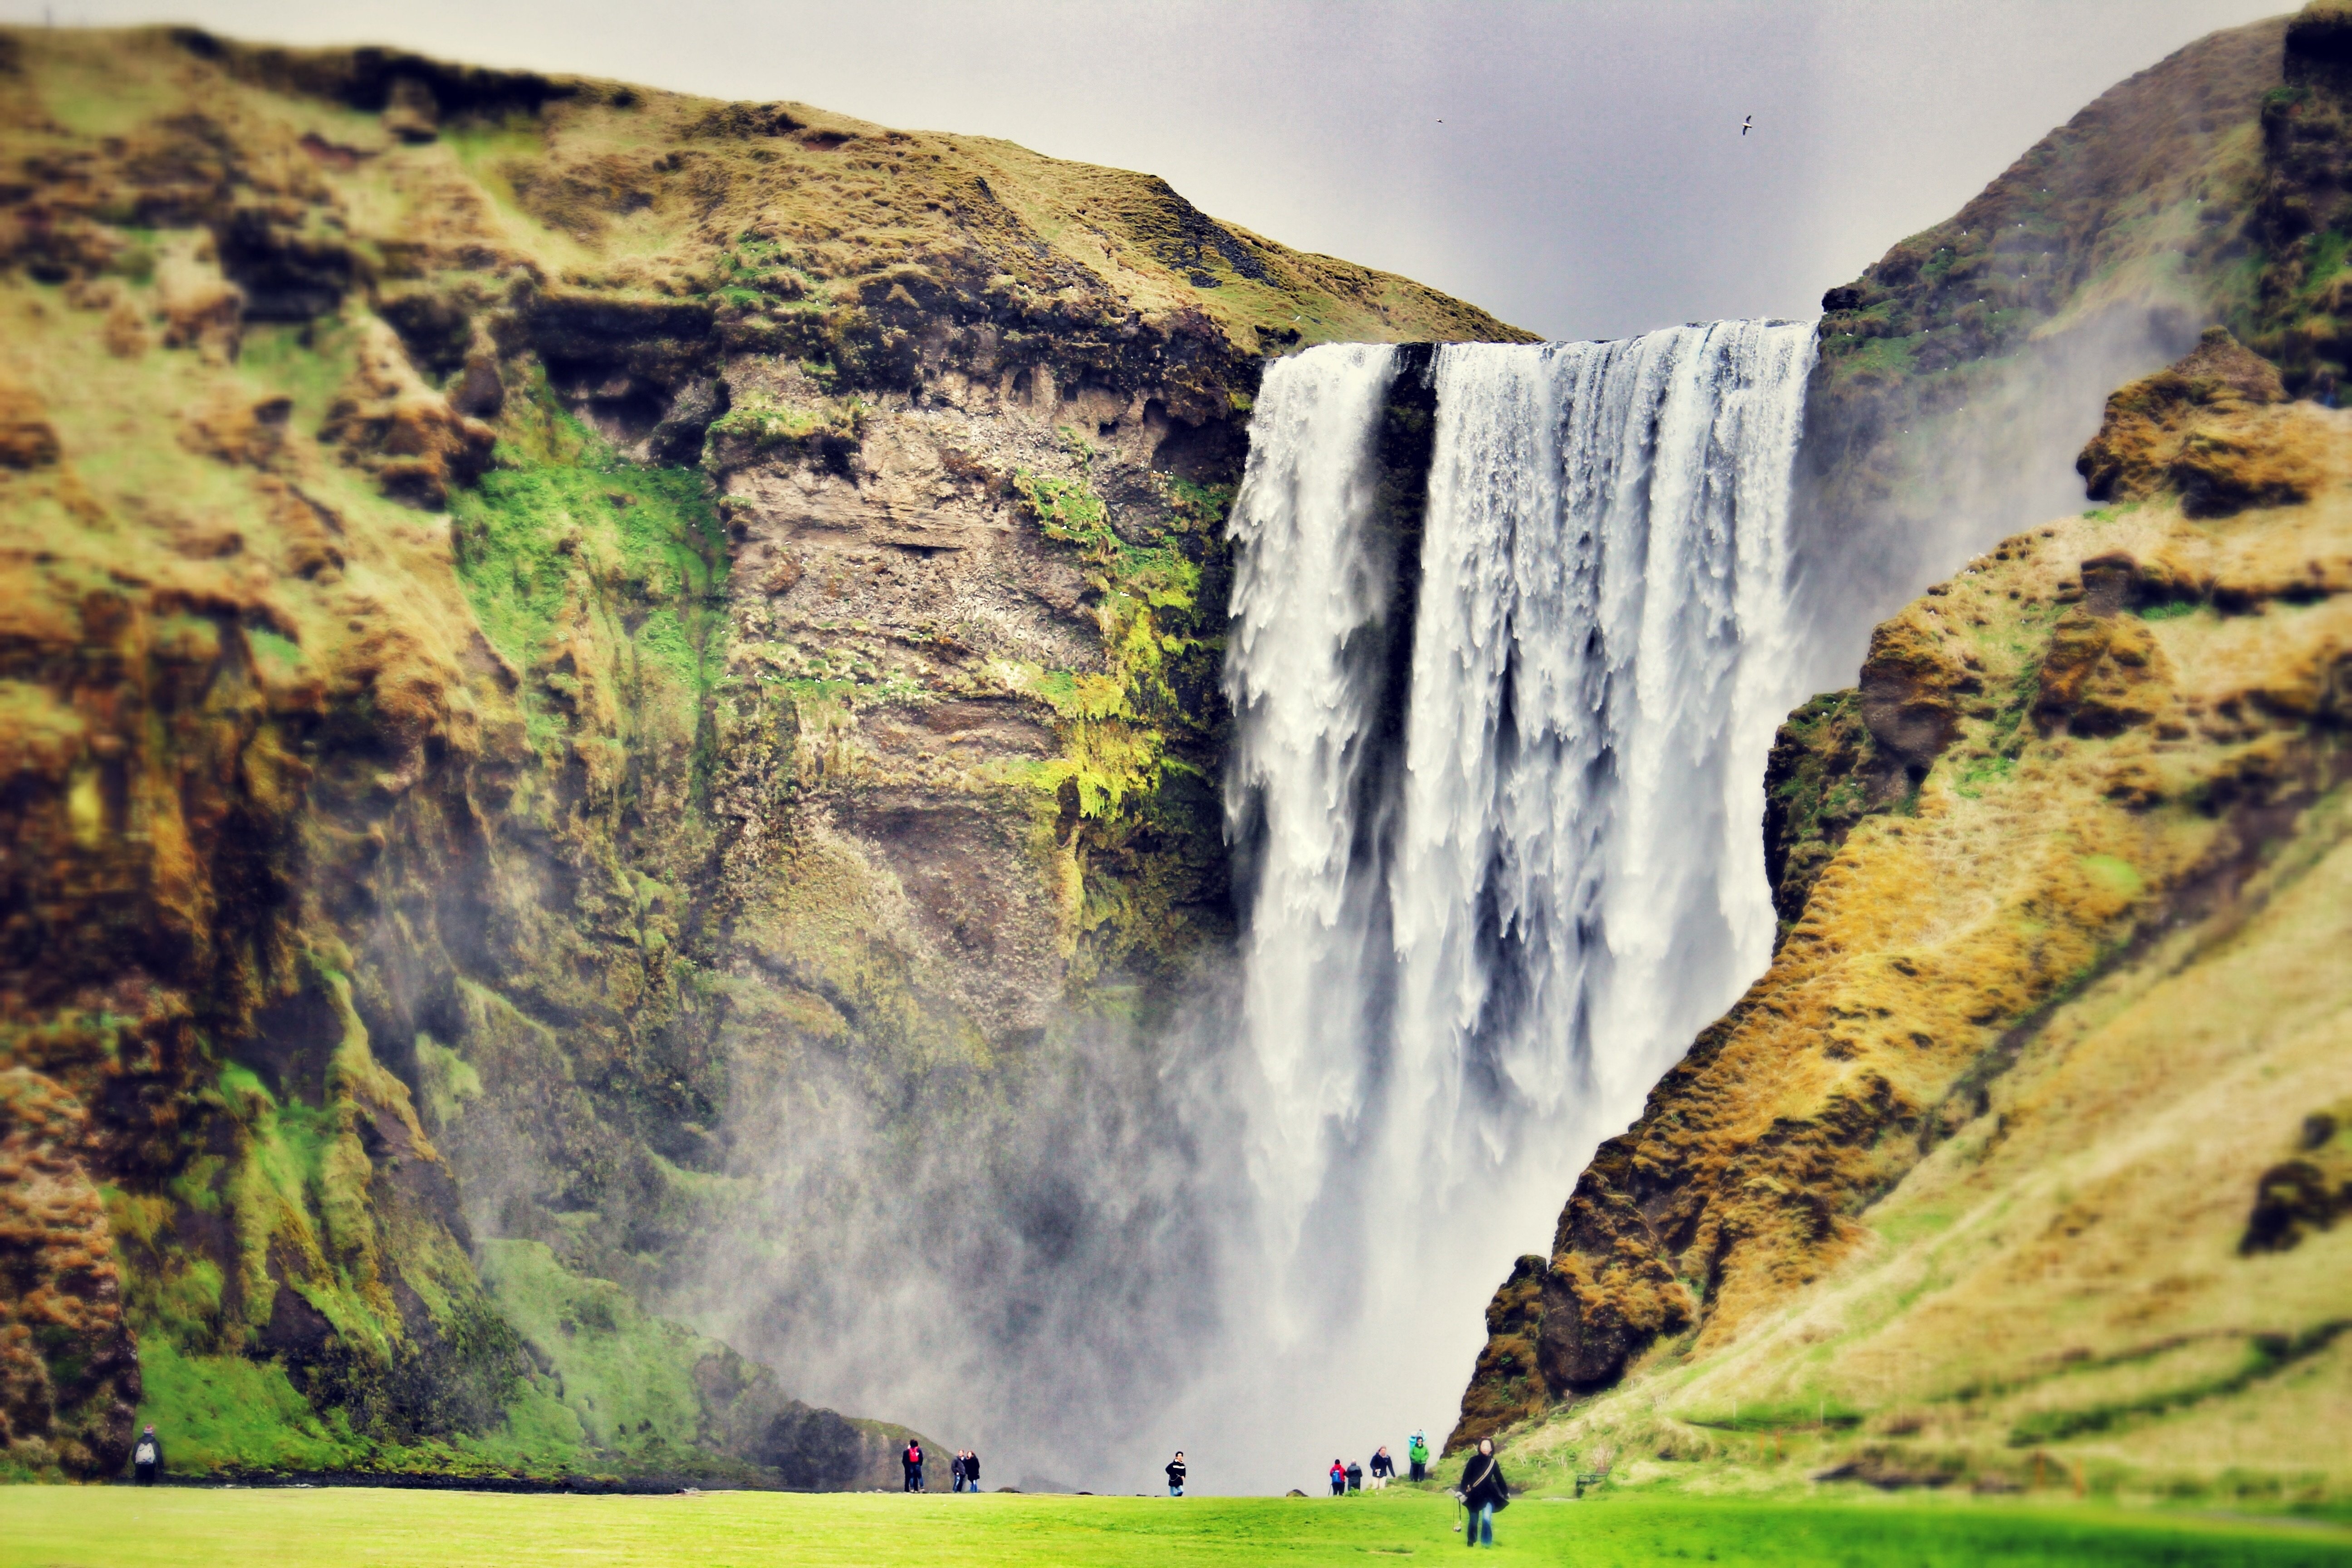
(2194, 429)
(2104, 724)
(505, 698)
(56, 1254)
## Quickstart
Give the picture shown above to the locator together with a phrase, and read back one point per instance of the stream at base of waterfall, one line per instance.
(1495, 791)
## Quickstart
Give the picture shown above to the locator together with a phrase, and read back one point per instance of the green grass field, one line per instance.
(118, 1527)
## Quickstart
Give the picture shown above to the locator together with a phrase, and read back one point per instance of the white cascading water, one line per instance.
(1312, 589)
(1469, 956)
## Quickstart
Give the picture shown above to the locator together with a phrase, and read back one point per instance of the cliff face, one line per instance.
(2028, 1137)
(1959, 374)
(544, 623)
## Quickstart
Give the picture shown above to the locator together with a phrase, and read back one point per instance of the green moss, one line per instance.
(283, 652)
(1114, 725)
(626, 1377)
(447, 1081)
(770, 427)
(2118, 876)
(597, 576)
(221, 1412)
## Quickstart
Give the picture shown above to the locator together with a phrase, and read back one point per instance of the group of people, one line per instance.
(1351, 1476)
(963, 1470)
(1482, 1492)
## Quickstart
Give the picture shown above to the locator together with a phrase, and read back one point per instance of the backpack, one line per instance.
(144, 1454)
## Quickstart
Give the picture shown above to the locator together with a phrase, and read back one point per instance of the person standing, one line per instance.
(913, 1460)
(1355, 1477)
(1383, 1469)
(970, 1470)
(147, 1458)
(1175, 1468)
(1417, 1452)
(955, 1472)
(1485, 1493)
(1338, 1478)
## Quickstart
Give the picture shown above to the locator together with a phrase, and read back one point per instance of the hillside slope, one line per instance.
(561, 646)
(2029, 1145)
(1960, 373)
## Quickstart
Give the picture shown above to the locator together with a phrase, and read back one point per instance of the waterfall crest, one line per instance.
(1472, 945)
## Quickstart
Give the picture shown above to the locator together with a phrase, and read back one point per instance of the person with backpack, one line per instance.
(1383, 1469)
(913, 1460)
(1484, 1494)
(1338, 1478)
(970, 1470)
(147, 1458)
(1175, 1468)
(1417, 1452)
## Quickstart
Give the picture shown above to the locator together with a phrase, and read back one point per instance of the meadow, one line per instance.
(121, 1526)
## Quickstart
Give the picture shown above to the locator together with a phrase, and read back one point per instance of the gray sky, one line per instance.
(1575, 167)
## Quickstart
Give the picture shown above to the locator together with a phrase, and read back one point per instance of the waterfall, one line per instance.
(1476, 937)
(1313, 585)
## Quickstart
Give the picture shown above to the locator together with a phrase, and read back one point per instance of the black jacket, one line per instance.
(971, 1466)
(1383, 1465)
(1483, 1482)
(1175, 1468)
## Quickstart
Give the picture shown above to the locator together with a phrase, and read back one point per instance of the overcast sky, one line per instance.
(1575, 167)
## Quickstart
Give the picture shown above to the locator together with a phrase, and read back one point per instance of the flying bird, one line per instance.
(1747, 125)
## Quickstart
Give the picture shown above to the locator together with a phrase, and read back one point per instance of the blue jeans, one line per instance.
(1480, 1531)
(1175, 1492)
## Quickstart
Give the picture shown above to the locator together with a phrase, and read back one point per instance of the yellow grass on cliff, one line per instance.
(1972, 1174)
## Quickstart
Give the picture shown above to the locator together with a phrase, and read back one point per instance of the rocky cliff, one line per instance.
(554, 638)
(1960, 373)
(2021, 1160)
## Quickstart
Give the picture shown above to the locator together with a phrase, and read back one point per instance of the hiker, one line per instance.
(1383, 1469)
(147, 1458)
(970, 1470)
(955, 1472)
(1417, 1451)
(1484, 1494)
(1175, 1468)
(1338, 1478)
(1355, 1477)
(913, 1460)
